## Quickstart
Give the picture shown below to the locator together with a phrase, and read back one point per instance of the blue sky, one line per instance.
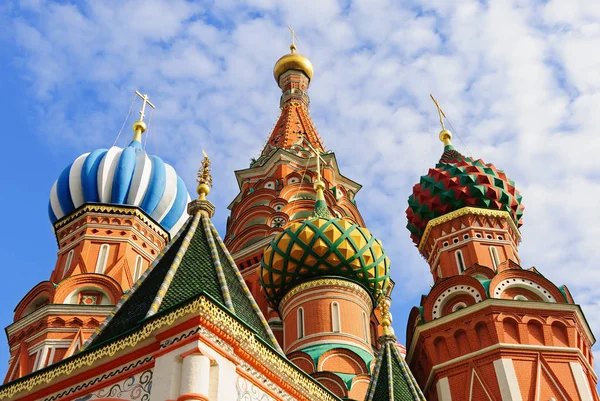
(519, 80)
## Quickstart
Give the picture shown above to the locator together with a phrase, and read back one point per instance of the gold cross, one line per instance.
(440, 111)
(294, 37)
(145, 101)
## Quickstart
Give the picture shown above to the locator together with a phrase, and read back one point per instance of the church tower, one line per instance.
(113, 211)
(488, 329)
(277, 189)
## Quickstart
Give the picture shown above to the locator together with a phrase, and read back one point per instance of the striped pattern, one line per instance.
(392, 379)
(125, 177)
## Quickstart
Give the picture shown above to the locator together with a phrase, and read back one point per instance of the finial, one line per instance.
(139, 127)
(294, 38)
(204, 178)
(386, 316)
(445, 135)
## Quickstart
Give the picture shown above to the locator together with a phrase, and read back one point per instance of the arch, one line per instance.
(303, 361)
(460, 261)
(495, 257)
(483, 334)
(45, 289)
(300, 323)
(332, 382)
(107, 284)
(526, 280)
(335, 317)
(510, 327)
(441, 349)
(68, 263)
(559, 334)
(342, 360)
(139, 264)
(102, 259)
(536, 332)
(462, 342)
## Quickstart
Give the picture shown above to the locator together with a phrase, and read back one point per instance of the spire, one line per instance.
(193, 265)
(445, 135)
(204, 180)
(392, 380)
(293, 73)
(139, 127)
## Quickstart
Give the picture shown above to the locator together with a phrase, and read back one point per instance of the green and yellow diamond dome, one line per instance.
(323, 246)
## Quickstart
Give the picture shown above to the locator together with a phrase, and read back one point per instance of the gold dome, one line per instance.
(293, 61)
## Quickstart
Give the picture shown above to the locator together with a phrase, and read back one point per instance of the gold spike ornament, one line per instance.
(204, 178)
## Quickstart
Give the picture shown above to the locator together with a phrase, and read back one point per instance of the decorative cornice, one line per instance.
(120, 210)
(499, 303)
(463, 212)
(206, 309)
(326, 282)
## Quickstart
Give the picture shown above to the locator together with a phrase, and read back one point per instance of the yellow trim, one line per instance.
(99, 208)
(327, 282)
(463, 212)
(205, 308)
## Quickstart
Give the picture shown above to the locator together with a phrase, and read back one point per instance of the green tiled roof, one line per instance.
(392, 380)
(195, 263)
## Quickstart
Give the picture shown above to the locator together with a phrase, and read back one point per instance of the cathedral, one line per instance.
(147, 302)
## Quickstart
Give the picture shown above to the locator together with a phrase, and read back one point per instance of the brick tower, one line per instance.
(277, 189)
(488, 329)
(113, 211)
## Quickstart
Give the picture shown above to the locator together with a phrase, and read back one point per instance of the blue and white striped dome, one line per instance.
(124, 177)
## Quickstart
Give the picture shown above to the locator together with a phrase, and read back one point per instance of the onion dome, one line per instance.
(293, 61)
(122, 176)
(323, 246)
(458, 181)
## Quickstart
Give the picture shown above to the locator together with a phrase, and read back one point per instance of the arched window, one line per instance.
(495, 258)
(68, 263)
(460, 261)
(335, 317)
(365, 327)
(139, 263)
(300, 322)
(102, 258)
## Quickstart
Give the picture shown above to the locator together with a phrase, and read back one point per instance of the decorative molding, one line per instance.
(254, 348)
(463, 212)
(326, 282)
(119, 210)
(133, 385)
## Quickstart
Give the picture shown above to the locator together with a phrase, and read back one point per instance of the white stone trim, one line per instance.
(443, 389)
(583, 385)
(58, 309)
(507, 380)
(530, 285)
(448, 294)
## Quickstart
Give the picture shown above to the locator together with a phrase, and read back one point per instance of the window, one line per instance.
(445, 244)
(455, 240)
(495, 258)
(102, 258)
(139, 264)
(68, 263)
(300, 322)
(89, 298)
(270, 185)
(501, 238)
(520, 298)
(365, 327)
(335, 317)
(466, 236)
(459, 306)
(460, 261)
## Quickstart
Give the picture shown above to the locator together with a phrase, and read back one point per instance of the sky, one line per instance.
(518, 80)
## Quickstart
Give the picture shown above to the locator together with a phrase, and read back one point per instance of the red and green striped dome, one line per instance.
(458, 181)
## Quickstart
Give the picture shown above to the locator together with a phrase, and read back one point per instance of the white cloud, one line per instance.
(519, 81)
